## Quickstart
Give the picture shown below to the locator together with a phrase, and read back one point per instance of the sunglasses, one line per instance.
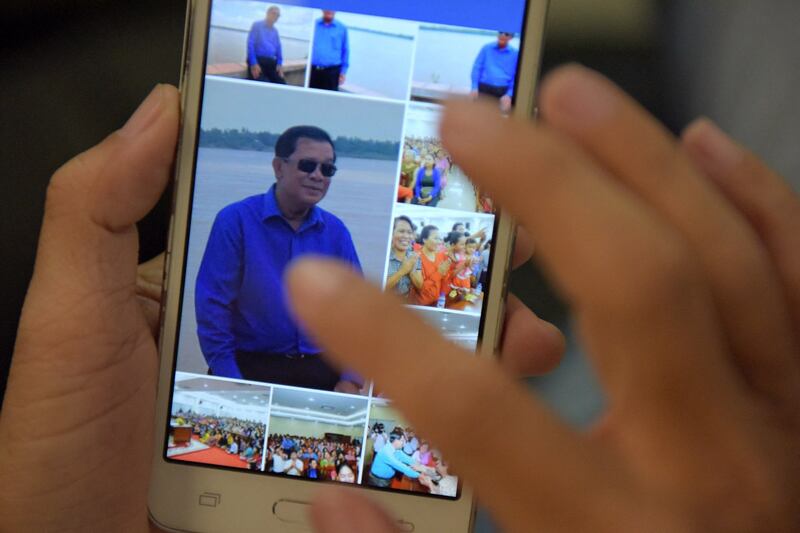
(309, 166)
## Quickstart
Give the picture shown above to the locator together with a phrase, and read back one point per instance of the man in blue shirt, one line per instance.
(390, 460)
(264, 52)
(243, 321)
(330, 55)
(495, 70)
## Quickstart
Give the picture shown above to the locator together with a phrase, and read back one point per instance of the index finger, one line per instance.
(452, 397)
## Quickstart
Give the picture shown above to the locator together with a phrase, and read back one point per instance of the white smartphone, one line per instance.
(311, 126)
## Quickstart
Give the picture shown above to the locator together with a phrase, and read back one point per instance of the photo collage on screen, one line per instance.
(319, 134)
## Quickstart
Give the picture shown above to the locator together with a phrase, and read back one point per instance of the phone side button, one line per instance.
(291, 511)
(405, 527)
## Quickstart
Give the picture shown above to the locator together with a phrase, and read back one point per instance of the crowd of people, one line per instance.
(399, 458)
(431, 269)
(424, 174)
(235, 436)
(424, 171)
(313, 458)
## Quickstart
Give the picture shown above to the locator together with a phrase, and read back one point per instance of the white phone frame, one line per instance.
(245, 502)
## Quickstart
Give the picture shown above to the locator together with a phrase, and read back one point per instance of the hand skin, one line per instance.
(77, 419)
(682, 261)
(703, 440)
(505, 104)
(255, 71)
(342, 79)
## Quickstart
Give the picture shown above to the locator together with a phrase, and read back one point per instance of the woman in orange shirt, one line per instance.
(435, 267)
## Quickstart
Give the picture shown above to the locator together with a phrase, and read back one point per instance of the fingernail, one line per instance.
(463, 120)
(318, 278)
(715, 147)
(144, 115)
(579, 95)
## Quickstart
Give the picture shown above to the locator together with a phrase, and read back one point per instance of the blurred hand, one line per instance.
(444, 267)
(474, 95)
(347, 387)
(342, 79)
(279, 70)
(505, 104)
(682, 262)
(77, 420)
(255, 72)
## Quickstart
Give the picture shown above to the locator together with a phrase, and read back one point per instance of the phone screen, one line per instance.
(319, 135)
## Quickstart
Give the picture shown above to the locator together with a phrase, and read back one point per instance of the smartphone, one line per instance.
(311, 127)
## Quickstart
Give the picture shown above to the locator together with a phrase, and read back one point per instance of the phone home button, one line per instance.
(291, 511)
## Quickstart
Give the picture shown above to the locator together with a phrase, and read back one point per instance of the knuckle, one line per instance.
(65, 188)
(666, 275)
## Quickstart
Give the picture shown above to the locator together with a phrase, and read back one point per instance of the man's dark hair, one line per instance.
(457, 224)
(472, 241)
(287, 142)
(426, 232)
(405, 219)
(396, 435)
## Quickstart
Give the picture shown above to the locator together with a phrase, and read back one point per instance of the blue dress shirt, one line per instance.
(496, 66)
(388, 461)
(331, 45)
(240, 299)
(263, 41)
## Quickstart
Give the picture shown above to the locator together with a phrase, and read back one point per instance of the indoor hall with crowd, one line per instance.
(324, 459)
(242, 439)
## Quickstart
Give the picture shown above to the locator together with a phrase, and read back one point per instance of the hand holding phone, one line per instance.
(58, 353)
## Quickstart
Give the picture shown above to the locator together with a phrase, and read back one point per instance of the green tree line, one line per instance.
(264, 141)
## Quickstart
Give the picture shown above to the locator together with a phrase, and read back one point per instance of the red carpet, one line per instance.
(212, 456)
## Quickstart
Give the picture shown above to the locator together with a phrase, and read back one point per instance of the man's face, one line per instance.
(273, 14)
(503, 39)
(459, 228)
(304, 189)
(433, 241)
(328, 15)
(402, 235)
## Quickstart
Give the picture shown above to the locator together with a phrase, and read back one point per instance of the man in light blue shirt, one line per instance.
(330, 55)
(264, 51)
(495, 70)
(390, 460)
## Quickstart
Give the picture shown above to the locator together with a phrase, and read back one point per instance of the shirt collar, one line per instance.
(333, 24)
(272, 210)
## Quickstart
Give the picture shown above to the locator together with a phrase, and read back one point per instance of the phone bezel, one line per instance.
(248, 499)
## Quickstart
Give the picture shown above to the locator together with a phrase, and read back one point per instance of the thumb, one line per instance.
(94, 201)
